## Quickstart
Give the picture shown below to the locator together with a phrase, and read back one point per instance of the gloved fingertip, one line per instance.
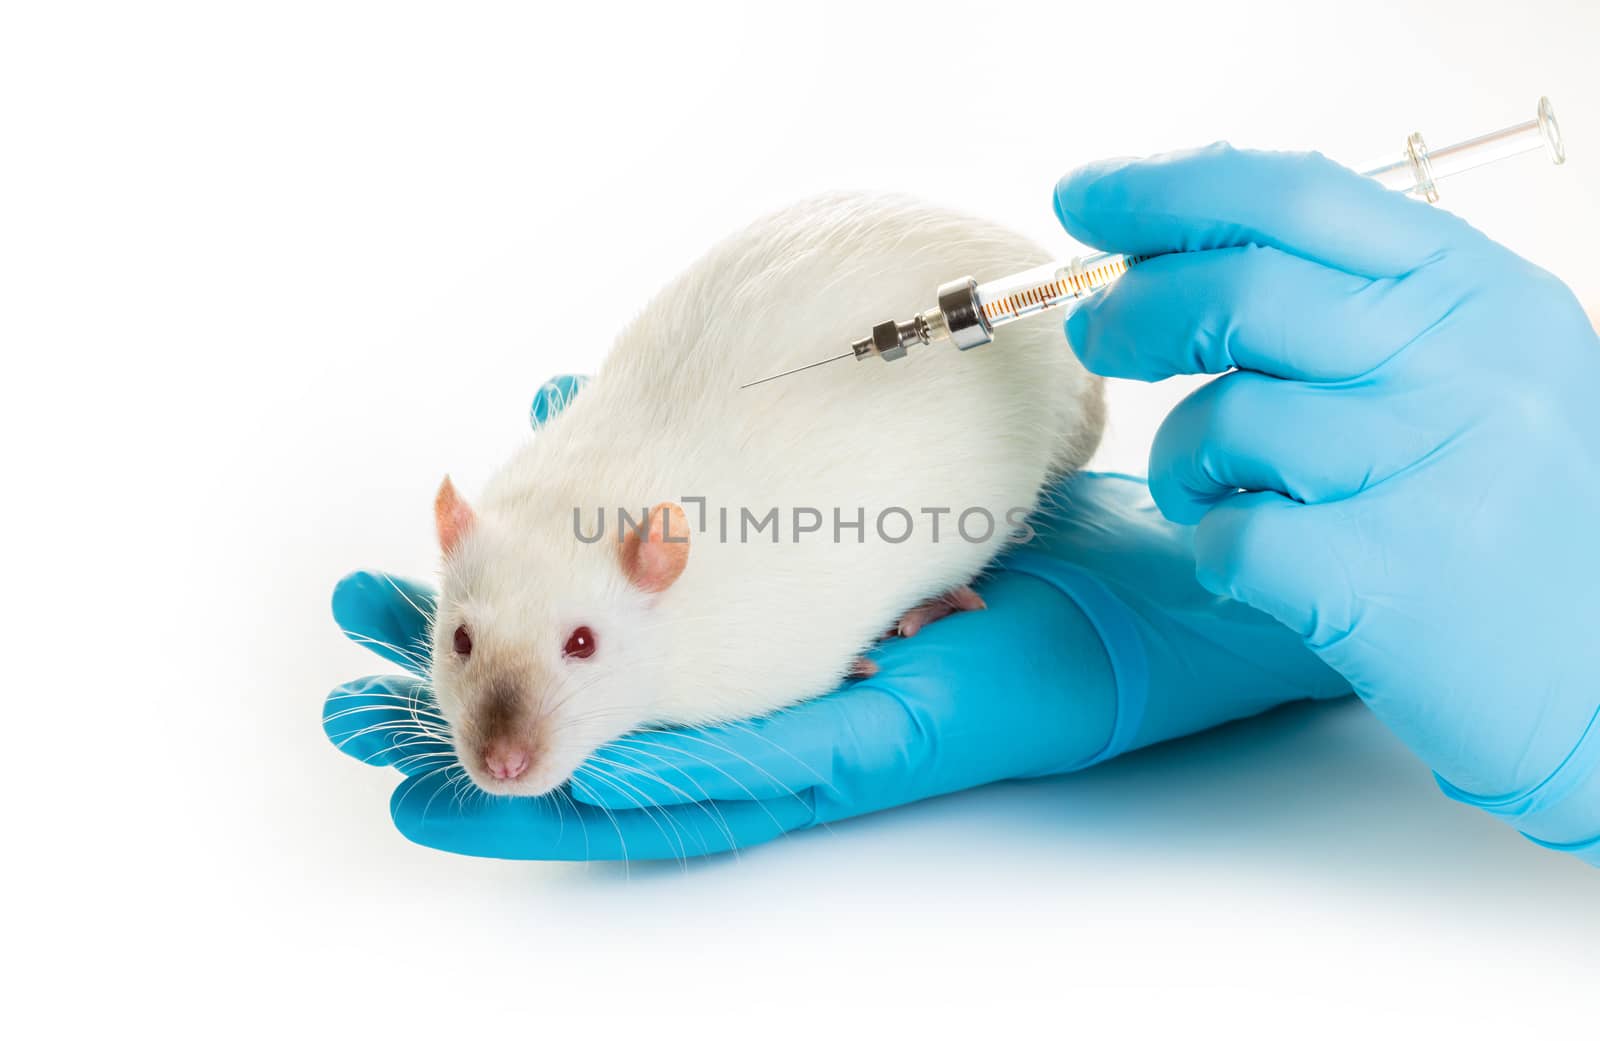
(386, 721)
(1062, 200)
(360, 595)
(386, 614)
(1073, 203)
(1071, 200)
(1078, 328)
(554, 396)
(356, 585)
(1177, 502)
(1216, 549)
(1212, 580)
(423, 812)
(333, 725)
(409, 821)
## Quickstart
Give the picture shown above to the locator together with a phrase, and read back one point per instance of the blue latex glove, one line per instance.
(1409, 411)
(1096, 640)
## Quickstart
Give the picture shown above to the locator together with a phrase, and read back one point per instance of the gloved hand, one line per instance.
(1402, 463)
(1096, 640)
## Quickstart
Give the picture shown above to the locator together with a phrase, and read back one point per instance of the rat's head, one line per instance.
(544, 646)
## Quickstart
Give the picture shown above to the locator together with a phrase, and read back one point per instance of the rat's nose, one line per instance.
(506, 760)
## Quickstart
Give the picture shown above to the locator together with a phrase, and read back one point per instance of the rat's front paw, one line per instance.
(963, 599)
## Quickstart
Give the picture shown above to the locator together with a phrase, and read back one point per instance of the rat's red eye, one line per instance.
(463, 641)
(581, 643)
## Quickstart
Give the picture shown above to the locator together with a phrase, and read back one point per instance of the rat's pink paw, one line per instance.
(963, 599)
(863, 668)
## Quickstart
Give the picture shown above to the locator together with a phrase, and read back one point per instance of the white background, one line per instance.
(267, 271)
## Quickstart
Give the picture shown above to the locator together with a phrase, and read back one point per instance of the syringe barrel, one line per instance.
(1417, 171)
(1004, 300)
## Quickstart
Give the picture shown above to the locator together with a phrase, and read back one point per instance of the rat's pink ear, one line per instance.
(452, 516)
(655, 561)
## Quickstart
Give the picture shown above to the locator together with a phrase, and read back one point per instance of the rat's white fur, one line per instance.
(750, 627)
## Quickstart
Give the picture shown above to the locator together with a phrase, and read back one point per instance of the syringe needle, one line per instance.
(791, 372)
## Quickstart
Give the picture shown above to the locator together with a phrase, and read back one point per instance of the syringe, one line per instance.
(967, 312)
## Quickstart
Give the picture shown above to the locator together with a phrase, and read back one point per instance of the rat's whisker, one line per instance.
(703, 801)
(709, 807)
(387, 700)
(414, 656)
(405, 734)
(703, 737)
(448, 786)
(622, 841)
(420, 779)
(405, 763)
(553, 798)
(388, 709)
(674, 838)
(407, 598)
(577, 811)
(386, 718)
(750, 796)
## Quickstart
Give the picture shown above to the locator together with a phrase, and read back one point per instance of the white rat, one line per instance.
(550, 642)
